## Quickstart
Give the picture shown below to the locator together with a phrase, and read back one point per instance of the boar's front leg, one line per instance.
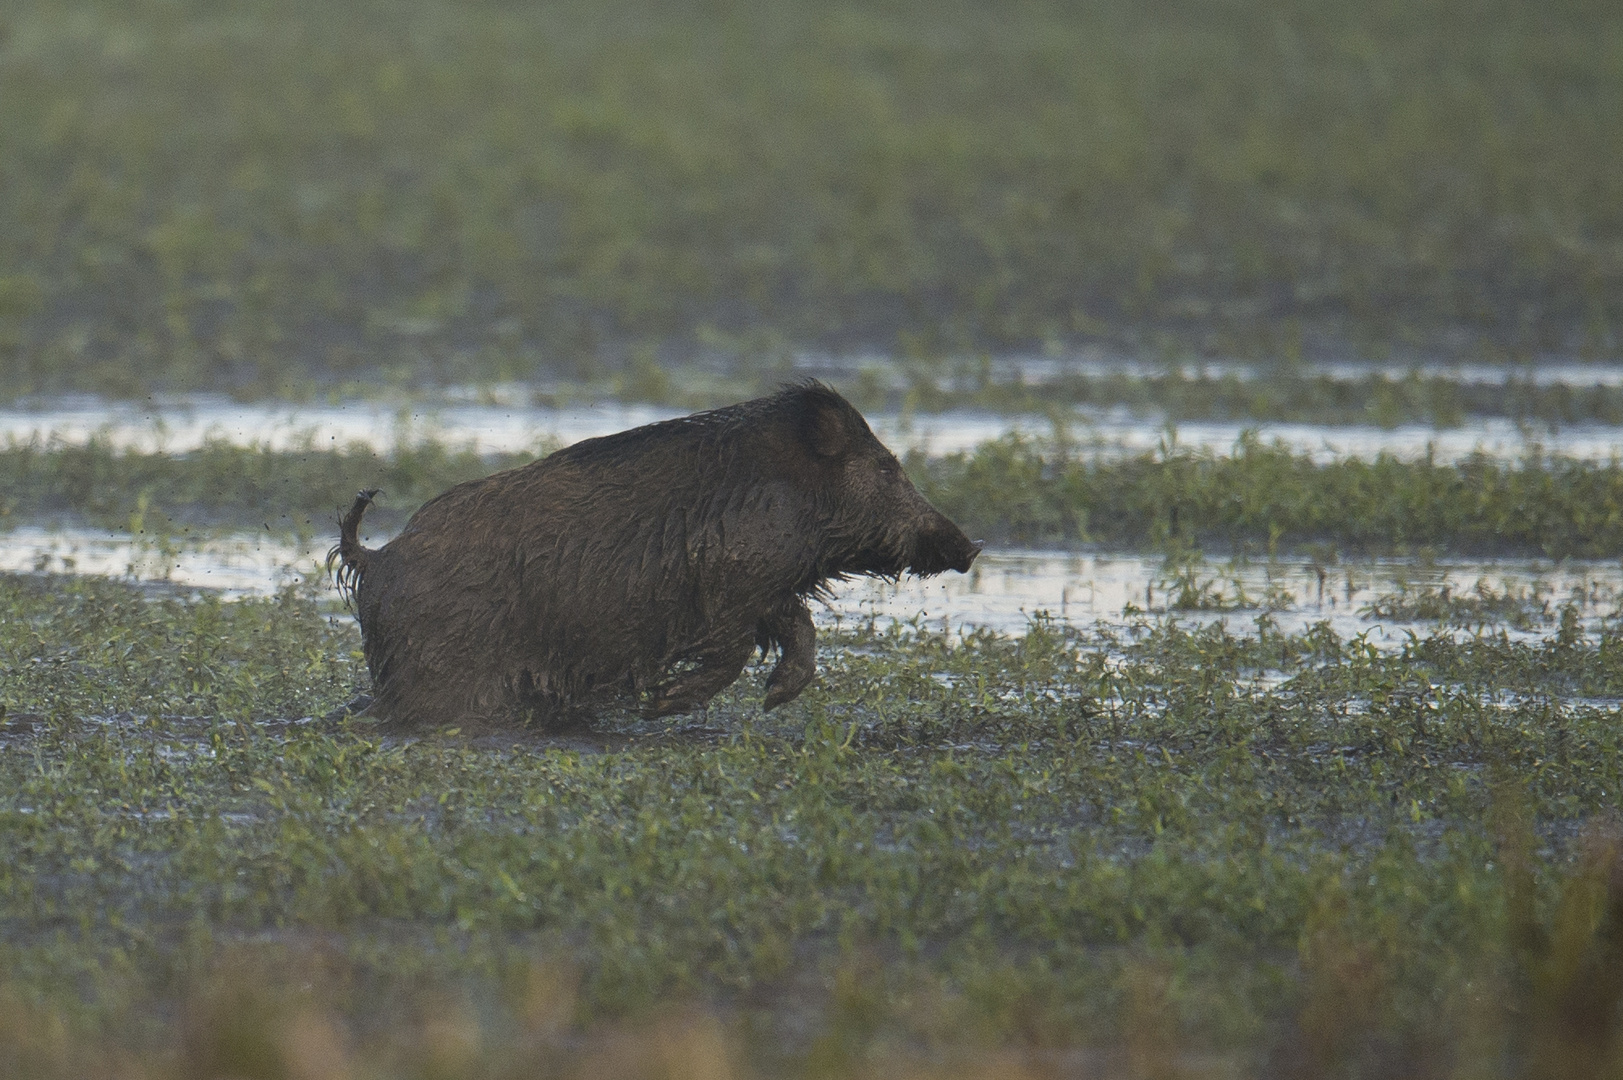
(718, 667)
(789, 626)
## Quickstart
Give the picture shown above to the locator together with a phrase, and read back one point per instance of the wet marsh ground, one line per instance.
(1183, 825)
(1152, 845)
(1234, 829)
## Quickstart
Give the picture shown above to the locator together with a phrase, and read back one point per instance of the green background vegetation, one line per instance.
(1259, 500)
(259, 196)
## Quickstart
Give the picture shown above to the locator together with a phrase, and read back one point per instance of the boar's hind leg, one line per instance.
(790, 628)
(718, 668)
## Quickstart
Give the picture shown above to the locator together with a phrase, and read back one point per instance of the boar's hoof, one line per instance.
(794, 633)
(717, 669)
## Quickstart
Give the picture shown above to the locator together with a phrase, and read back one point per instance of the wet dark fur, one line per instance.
(652, 562)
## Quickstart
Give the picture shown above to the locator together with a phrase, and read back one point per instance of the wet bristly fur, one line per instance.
(651, 563)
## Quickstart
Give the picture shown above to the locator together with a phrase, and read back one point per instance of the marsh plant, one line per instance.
(1148, 846)
(1259, 500)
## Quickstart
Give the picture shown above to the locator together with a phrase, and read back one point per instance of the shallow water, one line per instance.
(1100, 362)
(181, 424)
(237, 564)
(1004, 592)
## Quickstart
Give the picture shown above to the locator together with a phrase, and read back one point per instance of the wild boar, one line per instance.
(649, 564)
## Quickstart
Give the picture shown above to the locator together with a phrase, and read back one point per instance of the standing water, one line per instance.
(1004, 591)
(180, 424)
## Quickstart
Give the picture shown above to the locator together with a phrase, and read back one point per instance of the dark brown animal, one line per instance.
(649, 563)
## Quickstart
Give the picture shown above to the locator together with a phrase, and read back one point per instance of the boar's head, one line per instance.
(874, 520)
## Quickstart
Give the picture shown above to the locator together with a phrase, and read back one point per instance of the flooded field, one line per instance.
(178, 425)
(1004, 592)
(1102, 743)
(1096, 363)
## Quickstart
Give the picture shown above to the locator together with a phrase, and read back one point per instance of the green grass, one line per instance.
(300, 491)
(257, 196)
(1267, 498)
(1122, 841)
(1260, 499)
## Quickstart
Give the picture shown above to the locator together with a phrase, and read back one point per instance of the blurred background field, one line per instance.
(271, 198)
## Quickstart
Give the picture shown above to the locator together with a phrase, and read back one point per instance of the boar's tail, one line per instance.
(349, 554)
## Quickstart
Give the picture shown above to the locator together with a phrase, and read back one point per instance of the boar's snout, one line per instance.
(942, 547)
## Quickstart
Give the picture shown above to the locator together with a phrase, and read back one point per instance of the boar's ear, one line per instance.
(825, 423)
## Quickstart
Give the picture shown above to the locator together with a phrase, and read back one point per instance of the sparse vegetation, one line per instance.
(1480, 607)
(1274, 852)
